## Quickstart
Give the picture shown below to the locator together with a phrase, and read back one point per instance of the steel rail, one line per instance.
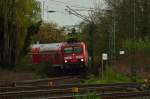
(25, 88)
(105, 88)
(116, 95)
(44, 80)
(62, 89)
(35, 82)
(106, 91)
(100, 89)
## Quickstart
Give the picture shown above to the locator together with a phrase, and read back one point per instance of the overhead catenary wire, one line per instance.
(72, 11)
(78, 8)
(60, 9)
(71, 5)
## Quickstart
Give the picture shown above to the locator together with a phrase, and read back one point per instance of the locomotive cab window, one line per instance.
(68, 50)
(77, 49)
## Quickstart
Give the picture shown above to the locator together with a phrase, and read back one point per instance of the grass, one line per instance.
(110, 76)
(90, 95)
(139, 45)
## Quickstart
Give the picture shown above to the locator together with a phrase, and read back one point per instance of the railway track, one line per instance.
(118, 95)
(65, 86)
(107, 91)
(48, 81)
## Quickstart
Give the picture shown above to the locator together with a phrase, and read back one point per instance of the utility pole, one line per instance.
(133, 65)
(91, 44)
(112, 40)
(43, 14)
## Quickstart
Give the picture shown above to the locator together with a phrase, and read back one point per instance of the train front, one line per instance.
(75, 56)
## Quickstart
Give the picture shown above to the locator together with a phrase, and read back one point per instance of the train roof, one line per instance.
(51, 46)
(47, 47)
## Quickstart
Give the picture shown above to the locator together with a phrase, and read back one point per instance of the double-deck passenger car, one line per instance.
(62, 55)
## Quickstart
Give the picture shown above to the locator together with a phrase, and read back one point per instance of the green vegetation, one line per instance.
(131, 22)
(140, 45)
(19, 20)
(49, 33)
(110, 76)
(122, 25)
(42, 70)
(90, 95)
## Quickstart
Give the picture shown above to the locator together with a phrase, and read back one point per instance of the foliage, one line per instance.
(138, 45)
(16, 16)
(131, 18)
(31, 31)
(43, 69)
(128, 19)
(90, 95)
(110, 76)
(49, 33)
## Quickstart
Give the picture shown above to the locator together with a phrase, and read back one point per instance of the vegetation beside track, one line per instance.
(26, 72)
(9, 76)
(91, 95)
(110, 76)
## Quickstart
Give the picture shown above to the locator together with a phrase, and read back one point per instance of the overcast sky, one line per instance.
(62, 17)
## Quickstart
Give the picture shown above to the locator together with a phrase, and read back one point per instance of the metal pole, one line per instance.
(43, 9)
(114, 40)
(134, 68)
(47, 13)
(102, 71)
(91, 43)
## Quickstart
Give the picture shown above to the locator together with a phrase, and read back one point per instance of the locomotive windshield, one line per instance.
(77, 50)
(70, 50)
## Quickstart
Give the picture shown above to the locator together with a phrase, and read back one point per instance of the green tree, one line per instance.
(49, 33)
(131, 18)
(16, 16)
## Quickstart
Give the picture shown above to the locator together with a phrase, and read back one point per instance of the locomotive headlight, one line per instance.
(66, 61)
(82, 60)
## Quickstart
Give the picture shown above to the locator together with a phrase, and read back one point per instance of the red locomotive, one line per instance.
(63, 55)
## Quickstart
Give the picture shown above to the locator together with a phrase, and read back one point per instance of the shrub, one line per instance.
(41, 70)
(138, 45)
(110, 76)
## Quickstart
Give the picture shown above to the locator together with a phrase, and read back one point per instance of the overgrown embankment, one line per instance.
(109, 76)
(9, 75)
(137, 55)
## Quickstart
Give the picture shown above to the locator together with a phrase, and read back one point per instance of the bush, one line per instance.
(90, 95)
(110, 76)
(43, 69)
(138, 45)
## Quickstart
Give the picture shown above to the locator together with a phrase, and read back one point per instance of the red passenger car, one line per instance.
(64, 55)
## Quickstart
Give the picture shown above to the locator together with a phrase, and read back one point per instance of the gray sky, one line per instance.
(62, 17)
